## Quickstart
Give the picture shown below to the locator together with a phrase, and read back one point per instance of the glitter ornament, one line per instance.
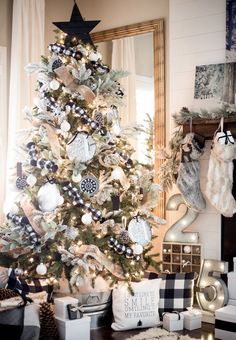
(81, 148)
(49, 197)
(139, 231)
(124, 236)
(41, 269)
(86, 219)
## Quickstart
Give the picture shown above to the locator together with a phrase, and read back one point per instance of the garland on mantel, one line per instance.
(184, 115)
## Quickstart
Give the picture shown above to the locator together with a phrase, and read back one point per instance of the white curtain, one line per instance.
(27, 45)
(123, 58)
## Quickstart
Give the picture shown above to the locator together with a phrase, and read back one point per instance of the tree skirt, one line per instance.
(160, 334)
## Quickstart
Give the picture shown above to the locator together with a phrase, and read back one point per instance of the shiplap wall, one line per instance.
(196, 37)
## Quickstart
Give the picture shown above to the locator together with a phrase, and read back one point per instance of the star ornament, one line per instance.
(77, 26)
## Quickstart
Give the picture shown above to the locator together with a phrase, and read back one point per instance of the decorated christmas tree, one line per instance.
(84, 204)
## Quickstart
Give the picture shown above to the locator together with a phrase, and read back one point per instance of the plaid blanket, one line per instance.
(20, 323)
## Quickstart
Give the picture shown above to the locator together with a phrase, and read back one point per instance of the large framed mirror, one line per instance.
(149, 52)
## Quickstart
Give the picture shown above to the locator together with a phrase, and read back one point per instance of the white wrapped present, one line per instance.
(74, 329)
(61, 306)
(192, 319)
(173, 321)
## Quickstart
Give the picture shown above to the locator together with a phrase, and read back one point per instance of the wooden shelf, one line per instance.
(174, 256)
(207, 127)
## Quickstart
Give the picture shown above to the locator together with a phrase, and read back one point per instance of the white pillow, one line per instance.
(139, 310)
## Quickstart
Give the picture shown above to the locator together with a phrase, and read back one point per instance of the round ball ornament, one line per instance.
(95, 56)
(140, 231)
(31, 180)
(41, 269)
(76, 177)
(187, 249)
(55, 63)
(54, 85)
(65, 126)
(49, 197)
(81, 148)
(89, 185)
(87, 219)
(137, 249)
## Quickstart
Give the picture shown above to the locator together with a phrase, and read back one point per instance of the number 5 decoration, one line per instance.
(212, 292)
(176, 232)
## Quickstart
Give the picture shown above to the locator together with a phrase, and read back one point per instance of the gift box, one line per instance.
(225, 323)
(173, 321)
(61, 310)
(74, 329)
(192, 319)
(232, 285)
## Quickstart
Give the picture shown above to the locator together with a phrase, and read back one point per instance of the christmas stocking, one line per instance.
(188, 178)
(220, 176)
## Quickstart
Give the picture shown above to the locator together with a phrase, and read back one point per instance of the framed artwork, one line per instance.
(216, 81)
(231, 30)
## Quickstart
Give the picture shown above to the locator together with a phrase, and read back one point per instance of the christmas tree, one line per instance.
(85, 206)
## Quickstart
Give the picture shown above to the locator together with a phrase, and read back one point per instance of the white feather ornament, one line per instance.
(49, 197)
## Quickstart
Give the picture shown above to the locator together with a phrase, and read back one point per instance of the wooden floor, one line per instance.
(205, 333)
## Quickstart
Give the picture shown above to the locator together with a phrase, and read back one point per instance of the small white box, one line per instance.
(232, 285)
(61, 306)
(74, 329)
(192, 319)
(173, 321)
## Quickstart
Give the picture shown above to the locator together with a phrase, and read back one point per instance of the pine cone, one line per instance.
(48, 328)
(7, 293)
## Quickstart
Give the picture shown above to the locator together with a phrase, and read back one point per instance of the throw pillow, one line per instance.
(176, 291)
(139, 310)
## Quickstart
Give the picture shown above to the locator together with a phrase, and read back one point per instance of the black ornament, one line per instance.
(56, 64)
(77, 27)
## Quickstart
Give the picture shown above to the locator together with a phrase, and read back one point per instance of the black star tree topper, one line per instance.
(77, 26)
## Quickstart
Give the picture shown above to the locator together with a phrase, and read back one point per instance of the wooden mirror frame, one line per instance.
(157, 27)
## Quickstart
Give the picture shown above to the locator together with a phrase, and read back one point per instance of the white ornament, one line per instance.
(81, 148)
(49, 197)
(95, 56)
(41, 269)
(117, 173)
(139, 231)
(137, 249)
(31, 180)
(54, 84)
(18, 271)
(76, 178)
(65, 126)
(86, 219)
(187, 249)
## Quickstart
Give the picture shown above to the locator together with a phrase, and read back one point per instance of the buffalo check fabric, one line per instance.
(176, 291)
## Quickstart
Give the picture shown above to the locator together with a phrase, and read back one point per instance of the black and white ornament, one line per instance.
(89, 185)
(40, 163)
(22, 221)
(77, 200)
(49, 197)
(81, 148)
(140, 231)
(21, 181)
(55, 63)
(66, 51)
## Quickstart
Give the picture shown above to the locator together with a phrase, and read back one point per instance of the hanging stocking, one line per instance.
(220, 173)
(188, 178)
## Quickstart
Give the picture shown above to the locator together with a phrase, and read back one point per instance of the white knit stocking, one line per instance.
(220, 178)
